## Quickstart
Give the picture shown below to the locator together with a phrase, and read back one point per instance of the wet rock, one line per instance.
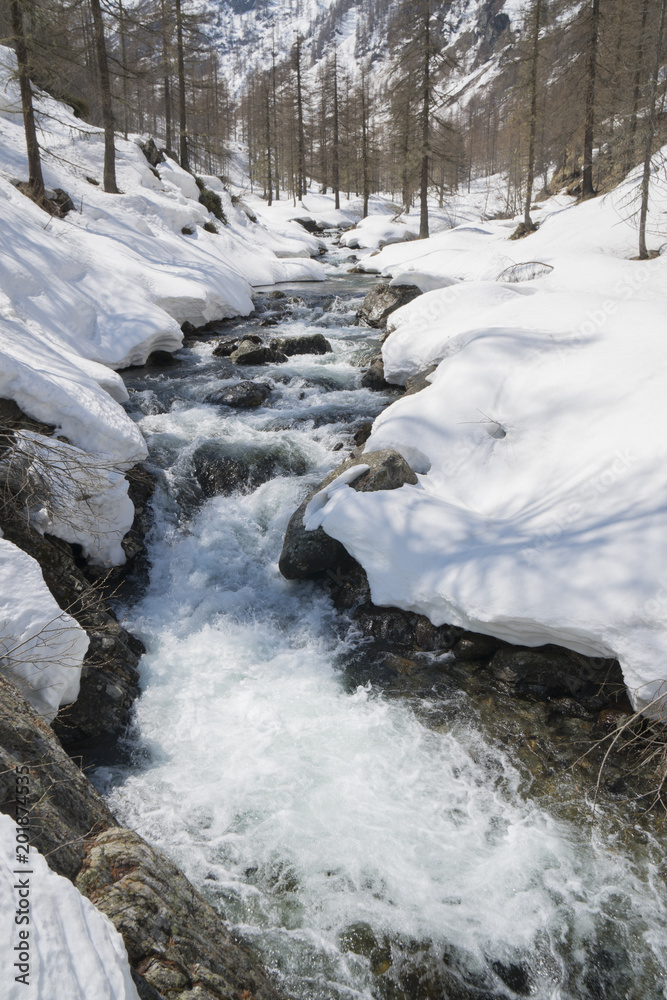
(308, 553)
(249, 352)
(222, 469)
(419, 381)
(243, 395)
(226, 347)
(473, 647)
(550, 672)
(151, 152)
(174, 939)
(314, 343)
(65, 808)
(359, 939)
(383, 300)
(362, 435)
(373, 378)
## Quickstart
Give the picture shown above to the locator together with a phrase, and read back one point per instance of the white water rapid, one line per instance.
(361, 852)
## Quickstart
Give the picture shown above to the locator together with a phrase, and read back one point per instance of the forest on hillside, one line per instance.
(571, 95)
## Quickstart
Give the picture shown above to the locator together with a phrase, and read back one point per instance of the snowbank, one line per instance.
(72, 950)
(40, 645)
(540, 513)
(374, 232)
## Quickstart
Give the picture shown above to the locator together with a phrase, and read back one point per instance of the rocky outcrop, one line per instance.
(419, 381)
(174, 938)
(309, 553)
(151, 152)
(244, 395)
(64, 807)
(383, 300)
(313, 343)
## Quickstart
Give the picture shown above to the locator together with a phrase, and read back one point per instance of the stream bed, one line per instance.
(366, 842)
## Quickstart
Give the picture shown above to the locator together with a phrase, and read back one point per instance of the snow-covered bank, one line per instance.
(59, 945)
(540, 513)
(80, 296)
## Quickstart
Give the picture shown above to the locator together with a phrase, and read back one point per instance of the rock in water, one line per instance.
(243, 395)
(373, 378)
(249, 352)
(382, 300)
(221, 469)
(307, 553)
(314, 343)
(175, 940)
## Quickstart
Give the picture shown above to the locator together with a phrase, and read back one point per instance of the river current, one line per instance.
(362, 848)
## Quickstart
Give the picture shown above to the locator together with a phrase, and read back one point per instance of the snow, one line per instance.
(374, 232)
(74, 952)
(540, 511)
(41, 646)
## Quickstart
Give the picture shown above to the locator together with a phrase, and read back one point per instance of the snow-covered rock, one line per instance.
(41, 646)
(64, 947)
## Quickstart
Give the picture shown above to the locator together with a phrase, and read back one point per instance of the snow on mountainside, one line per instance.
(248, 33)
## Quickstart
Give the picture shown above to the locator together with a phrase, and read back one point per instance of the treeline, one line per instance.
(575, 86)
(573, 95)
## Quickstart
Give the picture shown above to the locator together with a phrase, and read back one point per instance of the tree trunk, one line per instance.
(532, 124)
(123, 49)
(35, 179)
(269, 178)
(336, 137)
(650, 135)
(301, 143)
(636, 90)
(588, 189)
(105, 95)
(182, 127)
(426, 107)
(364, 143)
(165, 77)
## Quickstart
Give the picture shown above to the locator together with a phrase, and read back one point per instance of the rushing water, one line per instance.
(362, 851)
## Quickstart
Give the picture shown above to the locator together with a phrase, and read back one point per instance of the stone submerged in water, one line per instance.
(373, 378)
(243, 395)
(174, 939)
(308, 553)
(383, 300)
(314, 343)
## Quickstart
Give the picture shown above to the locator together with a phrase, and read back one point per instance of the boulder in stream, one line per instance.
(312, 343)
(243, 395)
(221, 468)
(382, 300)
(249, 352)
(308, 553)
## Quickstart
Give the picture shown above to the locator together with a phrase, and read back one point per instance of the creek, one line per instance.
(366, 843)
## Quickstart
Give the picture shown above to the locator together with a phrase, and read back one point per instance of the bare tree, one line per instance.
(105, 97)
(35, 178)
(650, 133)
